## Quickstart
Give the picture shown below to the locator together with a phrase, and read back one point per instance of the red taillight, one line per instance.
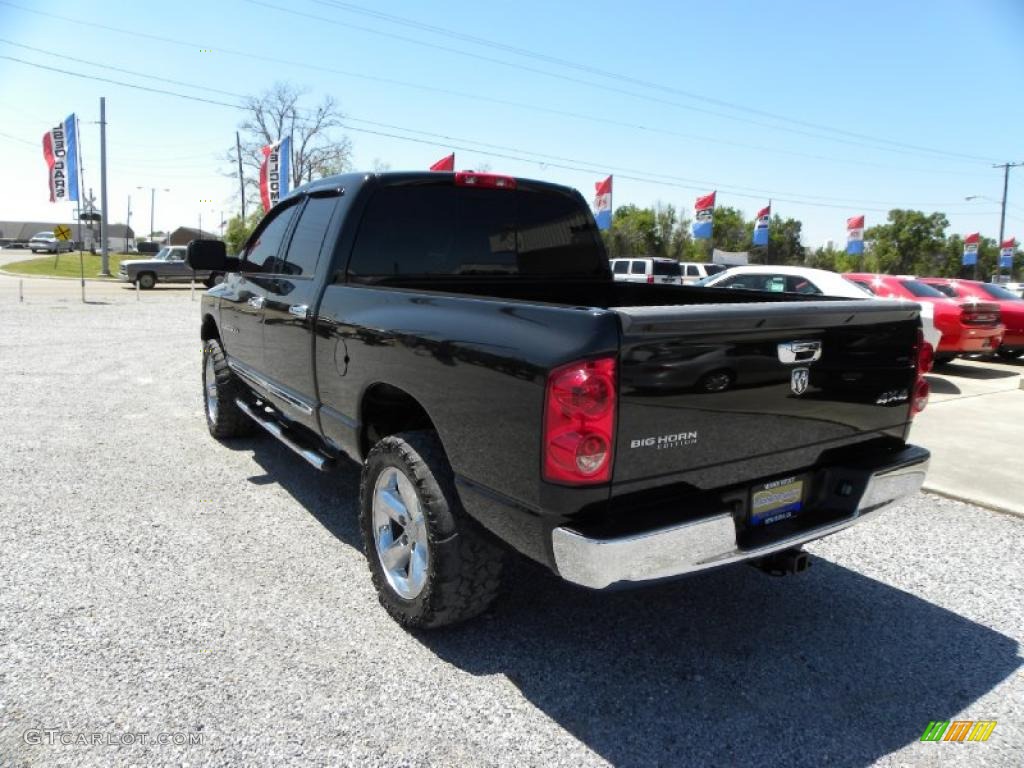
(921, 393)
(486, 180)
(925, 358)
(650, 279)
(579, 422)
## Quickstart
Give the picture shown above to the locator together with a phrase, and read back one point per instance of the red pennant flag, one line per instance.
(445, 163)
(972, 239)
(1011, 243)
(705, 203)
(855, 222)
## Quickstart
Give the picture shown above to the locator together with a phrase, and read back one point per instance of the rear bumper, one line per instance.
(712, 541)
(971, 340)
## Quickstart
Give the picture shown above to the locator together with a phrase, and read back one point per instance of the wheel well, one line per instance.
(209, 329)
(387, 410)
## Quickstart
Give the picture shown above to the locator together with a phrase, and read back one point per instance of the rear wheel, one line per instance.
(214, 279)
(1010, 354)
(146, 280)
(716, 381)
(221, 388)
(430, 563)
(944, 359)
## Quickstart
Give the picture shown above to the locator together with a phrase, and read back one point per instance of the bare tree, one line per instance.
(317, 150)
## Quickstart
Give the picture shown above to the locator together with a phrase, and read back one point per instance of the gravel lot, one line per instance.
(153, 580)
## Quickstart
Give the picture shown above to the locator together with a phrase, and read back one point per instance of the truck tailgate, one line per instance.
(718, 394)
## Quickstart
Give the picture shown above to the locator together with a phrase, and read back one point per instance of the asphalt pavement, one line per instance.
(154, 581)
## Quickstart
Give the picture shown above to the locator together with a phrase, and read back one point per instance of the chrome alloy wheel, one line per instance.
(210, 380)
(400, 533)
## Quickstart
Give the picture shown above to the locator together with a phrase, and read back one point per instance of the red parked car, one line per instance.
(967, 326)
(1011, 308)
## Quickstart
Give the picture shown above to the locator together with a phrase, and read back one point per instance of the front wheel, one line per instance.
(221, 388)
(430, 563)
(214, 279)
(146, 280)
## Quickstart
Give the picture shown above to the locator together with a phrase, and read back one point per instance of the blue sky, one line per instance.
(884, 104)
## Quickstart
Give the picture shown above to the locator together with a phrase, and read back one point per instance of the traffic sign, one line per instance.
(62, 232)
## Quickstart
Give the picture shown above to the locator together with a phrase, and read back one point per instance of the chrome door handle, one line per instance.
(256, 302)
(299, 310)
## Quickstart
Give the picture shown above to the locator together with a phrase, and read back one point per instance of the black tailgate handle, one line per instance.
(799, 351)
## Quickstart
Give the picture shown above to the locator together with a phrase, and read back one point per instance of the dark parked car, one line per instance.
(461, 336)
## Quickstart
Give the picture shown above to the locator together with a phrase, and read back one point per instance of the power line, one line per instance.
(450, 33)
(15, 138)
(861, 141)
(563, 163)
(474, 97)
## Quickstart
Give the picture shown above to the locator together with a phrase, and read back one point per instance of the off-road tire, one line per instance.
(465, 566)
(230, 421)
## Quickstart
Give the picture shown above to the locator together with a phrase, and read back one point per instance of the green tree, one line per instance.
(784, 245)
(910, 242)
(634, 232)
(238, 231)
(731, 232)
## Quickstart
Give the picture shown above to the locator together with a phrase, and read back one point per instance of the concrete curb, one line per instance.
(22, 276)
(929, 488)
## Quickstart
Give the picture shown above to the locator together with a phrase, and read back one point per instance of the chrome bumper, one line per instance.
(705, 543)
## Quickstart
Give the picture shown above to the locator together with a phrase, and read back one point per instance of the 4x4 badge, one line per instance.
(799, 380)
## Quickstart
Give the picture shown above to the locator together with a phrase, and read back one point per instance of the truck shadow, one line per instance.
(974, 372)
(726, 668)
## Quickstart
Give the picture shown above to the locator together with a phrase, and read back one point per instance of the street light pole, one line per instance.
(1002, 216)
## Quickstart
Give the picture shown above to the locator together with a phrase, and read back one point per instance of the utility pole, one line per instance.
(241, 178)
(104, 250)
(128, 224)
(152, 211)
(1002, 216)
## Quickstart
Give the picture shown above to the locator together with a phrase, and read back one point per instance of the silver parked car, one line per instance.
(168, 266)
(45, 242)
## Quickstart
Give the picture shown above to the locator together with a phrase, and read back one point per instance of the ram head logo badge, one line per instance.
(799, 380)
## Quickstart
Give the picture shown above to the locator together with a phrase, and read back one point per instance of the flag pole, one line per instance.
(241, 178)
(104, 250)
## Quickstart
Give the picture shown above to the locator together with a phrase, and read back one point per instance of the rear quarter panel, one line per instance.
(477, 366)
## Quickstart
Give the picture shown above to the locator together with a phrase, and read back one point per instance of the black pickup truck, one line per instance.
(461, 336)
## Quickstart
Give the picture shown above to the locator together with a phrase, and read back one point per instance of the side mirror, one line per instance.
(209, 255)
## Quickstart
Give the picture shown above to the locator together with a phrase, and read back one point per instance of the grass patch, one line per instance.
(67, 265)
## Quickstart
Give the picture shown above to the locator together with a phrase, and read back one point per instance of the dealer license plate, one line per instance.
(776, 501)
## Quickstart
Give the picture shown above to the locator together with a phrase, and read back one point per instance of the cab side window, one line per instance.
(267, 241)
(692, 271)
(308, 238)
(621, 267)
(638, 268)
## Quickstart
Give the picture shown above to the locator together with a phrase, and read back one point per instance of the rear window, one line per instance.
(446, 230)
(918, 288)
(667, 268)
(862, 284)
(998, 292)
(714, 269)
(949, 290)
